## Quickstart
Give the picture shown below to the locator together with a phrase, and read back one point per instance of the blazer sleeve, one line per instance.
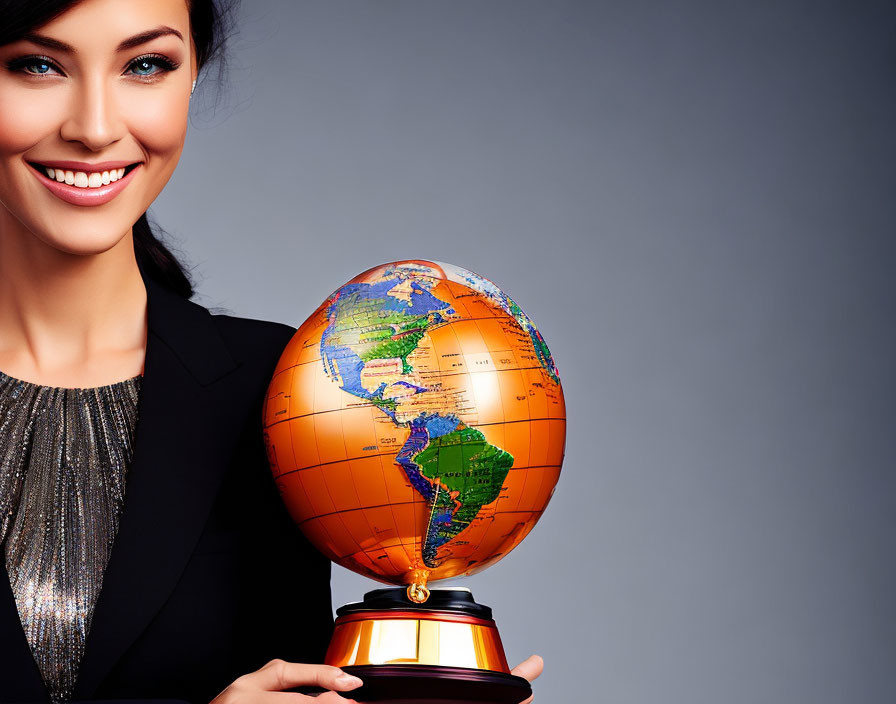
(288, 612)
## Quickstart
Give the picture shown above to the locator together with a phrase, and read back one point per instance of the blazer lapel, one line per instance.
(185, 432)
(19, 676)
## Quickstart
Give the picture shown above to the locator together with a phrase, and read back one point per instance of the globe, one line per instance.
(415, 424)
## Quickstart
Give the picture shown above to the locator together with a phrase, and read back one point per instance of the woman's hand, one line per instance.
(529, 669)
(266, 685)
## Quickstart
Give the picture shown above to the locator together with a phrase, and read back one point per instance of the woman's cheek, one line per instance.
(27, 117)
(35, 116)
(158, 122)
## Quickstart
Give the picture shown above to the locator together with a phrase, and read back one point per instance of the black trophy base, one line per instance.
(427, 684)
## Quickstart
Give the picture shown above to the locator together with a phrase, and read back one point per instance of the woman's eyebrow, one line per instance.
(126, 44)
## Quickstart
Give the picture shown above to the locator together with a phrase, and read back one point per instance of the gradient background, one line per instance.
(696, 203)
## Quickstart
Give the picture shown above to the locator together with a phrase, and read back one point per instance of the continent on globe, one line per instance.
(472, 472)
(472, 396)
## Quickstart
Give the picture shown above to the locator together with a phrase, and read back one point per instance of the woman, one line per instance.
(193, 584)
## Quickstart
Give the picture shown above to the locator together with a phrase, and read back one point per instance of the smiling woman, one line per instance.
(122, 93)
(142, 533)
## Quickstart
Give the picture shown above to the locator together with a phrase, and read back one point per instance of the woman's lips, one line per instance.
(83, 196)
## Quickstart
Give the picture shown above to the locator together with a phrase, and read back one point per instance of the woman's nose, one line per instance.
(94, 115)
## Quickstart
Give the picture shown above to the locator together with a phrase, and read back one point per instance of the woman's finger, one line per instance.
(290, 698)
(333, 698)
(257, 696)
(278, 675)
(530, 668)
(244, 695)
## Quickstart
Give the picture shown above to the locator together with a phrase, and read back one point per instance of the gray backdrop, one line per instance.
(695, 203)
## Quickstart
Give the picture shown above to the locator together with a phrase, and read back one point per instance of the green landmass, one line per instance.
(375, 331)
(405, 341)
(389, 405)
(462, 461)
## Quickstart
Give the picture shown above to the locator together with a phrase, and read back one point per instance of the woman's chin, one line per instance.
(83, 242)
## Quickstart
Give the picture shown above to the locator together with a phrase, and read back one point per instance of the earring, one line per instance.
(193, 88)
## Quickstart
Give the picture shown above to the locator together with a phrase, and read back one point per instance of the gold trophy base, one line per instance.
(444, 651)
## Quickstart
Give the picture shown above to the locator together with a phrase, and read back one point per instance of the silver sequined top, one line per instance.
(64, 455)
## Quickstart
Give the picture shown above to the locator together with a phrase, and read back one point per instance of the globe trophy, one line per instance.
(416, 426)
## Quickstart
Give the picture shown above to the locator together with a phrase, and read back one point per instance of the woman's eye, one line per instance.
(145, 66)
(34, 65)
(40, 67)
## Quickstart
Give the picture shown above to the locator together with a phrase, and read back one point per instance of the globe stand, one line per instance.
(444, 651)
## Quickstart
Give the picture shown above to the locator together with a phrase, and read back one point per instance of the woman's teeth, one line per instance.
(80, 179)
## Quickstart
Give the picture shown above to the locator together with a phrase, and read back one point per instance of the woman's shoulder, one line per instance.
(253, 338)
(237, 327)
(197, 333)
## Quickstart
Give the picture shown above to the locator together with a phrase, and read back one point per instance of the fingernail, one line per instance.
(346, 678)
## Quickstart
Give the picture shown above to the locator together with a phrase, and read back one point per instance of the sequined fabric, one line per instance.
(64, 455)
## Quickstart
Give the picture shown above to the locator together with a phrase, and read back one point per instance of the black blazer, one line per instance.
(209, 578)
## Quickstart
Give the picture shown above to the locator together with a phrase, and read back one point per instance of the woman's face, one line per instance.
(103, 87)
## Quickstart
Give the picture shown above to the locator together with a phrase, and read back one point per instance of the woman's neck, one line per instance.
(67, 319)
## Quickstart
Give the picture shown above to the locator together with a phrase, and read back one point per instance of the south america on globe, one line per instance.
(415, 423)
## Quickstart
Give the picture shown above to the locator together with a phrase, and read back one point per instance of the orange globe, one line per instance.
(415, 424)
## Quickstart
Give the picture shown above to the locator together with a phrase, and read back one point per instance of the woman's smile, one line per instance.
(84, 184)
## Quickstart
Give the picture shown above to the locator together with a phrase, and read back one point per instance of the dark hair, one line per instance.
(210, 23)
